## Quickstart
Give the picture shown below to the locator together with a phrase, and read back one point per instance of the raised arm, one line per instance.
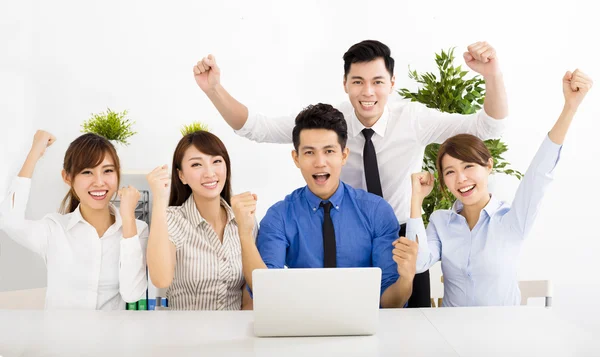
(33, 235)
(525, 206)
(253, 126)
(575, 87)
(481, 57)
(208, 77)
(433, 126)
(244, 208)
(429, 241)
(161, 251)
(132, 262)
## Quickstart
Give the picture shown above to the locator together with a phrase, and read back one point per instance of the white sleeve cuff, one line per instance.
(246, 130)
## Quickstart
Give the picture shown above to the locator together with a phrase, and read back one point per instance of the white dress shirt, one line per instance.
(84, 271)
(401, 135)
(480, 265)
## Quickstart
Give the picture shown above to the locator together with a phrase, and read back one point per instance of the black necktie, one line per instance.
(329, 260)
(370, 162)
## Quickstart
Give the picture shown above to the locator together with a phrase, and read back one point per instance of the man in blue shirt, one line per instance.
(327, 223)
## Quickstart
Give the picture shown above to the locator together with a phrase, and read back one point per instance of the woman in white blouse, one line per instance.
(479, 239)
(194, 248)
(94, 253)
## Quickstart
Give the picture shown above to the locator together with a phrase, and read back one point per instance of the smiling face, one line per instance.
(467, 181)
(205, 174)
(97, 185)
(92, 170)
(368, 85)
(320, 158)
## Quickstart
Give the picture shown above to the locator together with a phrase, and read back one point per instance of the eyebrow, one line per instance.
(202, 159)
(451, 167)
(313, 148)
(359, 77)
(105, 166)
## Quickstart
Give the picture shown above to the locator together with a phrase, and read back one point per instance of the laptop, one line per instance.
(316, 302)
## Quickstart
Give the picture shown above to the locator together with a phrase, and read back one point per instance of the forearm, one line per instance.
(415, 207)
(251, 258)
(129, 226)
(234, 112)
(559, 131)
(161, 251)
(397, 294)
(496, 102)
(29, 165)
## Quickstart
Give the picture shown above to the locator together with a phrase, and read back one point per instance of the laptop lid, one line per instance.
(316, 302)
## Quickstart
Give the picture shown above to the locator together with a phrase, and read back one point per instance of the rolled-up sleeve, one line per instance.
(263, 129)
(433, 126)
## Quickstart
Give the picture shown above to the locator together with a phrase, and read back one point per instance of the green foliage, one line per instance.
(451, 93)
(111, 125)
(193, 127)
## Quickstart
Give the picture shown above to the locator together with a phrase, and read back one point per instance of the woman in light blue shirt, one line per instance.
(479, 239)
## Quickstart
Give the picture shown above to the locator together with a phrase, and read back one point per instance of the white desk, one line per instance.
(425, 332)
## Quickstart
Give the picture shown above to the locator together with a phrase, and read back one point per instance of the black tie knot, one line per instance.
(368, 133)
(326, 206)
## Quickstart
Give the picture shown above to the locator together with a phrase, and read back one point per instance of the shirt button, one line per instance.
(224, 259)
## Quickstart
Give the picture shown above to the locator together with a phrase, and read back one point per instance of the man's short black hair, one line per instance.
(367, 51)
(321, 116)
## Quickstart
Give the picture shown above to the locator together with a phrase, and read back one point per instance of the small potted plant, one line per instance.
(451, 93)
(112, 125)
(193, 127)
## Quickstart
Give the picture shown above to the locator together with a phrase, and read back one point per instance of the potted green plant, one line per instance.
(193, 127)
(112, 125)
(451, 93)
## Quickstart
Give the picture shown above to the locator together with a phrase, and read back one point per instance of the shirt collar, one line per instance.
(491, 207)
(76, 217)
(314, 201)
(193, 215)
(379, 128)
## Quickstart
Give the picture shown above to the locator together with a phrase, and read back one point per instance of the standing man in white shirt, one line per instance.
(386, 140)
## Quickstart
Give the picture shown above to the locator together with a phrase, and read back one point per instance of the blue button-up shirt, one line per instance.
(365, 225)
(480, 265)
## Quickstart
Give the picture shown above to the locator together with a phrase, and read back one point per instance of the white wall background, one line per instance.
(65, 59)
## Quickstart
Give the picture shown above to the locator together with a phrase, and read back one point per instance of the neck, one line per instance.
(365, 122)
(99, 219)
(473, 212)
(210, 210)
(328, 195)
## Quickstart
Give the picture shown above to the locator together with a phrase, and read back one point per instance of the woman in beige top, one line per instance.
(194, 247)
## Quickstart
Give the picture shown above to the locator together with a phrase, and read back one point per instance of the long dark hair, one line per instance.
(208, 144)
(86, 151)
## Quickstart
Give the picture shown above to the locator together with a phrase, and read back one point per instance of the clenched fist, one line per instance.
(207, 73)
(244, 209)
(405, 255)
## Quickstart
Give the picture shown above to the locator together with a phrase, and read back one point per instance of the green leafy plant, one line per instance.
(451, 93)
(111, 125)
(193, 127)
